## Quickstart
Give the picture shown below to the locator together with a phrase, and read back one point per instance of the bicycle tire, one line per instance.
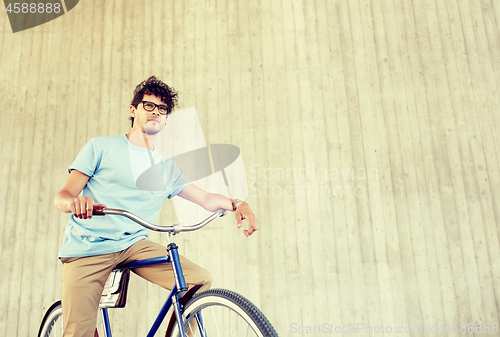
(236, 316)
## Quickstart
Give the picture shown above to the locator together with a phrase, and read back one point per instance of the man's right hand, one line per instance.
(82, 207)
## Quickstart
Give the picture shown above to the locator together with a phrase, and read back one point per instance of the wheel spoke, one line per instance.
(235, 324)
(215, 322)
(201, 325)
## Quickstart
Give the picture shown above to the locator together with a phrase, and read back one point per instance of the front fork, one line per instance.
(180, 283)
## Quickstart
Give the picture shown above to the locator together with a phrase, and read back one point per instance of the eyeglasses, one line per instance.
(162, 109)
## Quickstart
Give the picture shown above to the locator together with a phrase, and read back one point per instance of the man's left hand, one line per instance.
(243, 212)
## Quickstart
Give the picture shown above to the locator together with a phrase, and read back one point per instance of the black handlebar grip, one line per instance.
(98, 210)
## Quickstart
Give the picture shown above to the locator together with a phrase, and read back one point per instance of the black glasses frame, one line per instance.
(169, 109)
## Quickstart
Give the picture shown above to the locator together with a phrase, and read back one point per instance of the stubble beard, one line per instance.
(152, 130)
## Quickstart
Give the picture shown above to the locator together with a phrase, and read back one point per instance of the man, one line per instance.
(106, 170)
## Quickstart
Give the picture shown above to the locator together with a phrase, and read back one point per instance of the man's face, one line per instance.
(152, 122)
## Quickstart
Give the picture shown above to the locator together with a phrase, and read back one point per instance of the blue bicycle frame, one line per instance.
(177, 292)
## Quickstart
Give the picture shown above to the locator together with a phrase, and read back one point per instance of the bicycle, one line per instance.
(215, 312)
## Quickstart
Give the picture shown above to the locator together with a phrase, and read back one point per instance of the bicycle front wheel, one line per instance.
(223, 313)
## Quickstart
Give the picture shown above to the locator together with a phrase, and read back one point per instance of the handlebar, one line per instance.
(171, 229)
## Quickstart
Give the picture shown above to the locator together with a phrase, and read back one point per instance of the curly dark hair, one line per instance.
(154, 86)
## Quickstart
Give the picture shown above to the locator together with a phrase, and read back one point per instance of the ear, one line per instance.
(132, 111)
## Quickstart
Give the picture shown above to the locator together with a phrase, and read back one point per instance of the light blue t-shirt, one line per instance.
(115, 168)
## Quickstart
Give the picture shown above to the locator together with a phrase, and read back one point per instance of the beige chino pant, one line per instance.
(84, 277)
